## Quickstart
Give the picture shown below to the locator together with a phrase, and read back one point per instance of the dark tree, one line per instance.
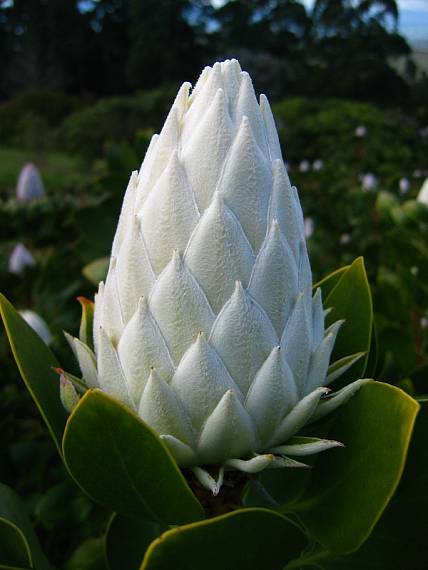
(351, 48)
(269, 37)
(164, 42)
(48, 42)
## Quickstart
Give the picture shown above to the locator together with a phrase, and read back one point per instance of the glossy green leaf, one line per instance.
(35, 362)
(14, 549)
(350, 299)
(127, 540)
(351, 487)
(251, 538)
(399, 540)
(17, 531)
(96, 271)
(121, 463)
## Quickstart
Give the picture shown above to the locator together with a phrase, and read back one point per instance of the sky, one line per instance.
(414, 19)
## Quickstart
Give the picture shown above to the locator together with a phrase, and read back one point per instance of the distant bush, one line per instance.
(113, 120)
(325, 128)
(31, 114)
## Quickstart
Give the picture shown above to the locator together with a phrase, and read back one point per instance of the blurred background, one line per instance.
(84, 85)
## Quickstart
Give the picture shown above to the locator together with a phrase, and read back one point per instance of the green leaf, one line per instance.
(88, 556)
(399, 540)
(248, 538)
(351, 487)
(127, 541)
(350, 299)
(14, 548)
(121, 463)
(16, 530)
(96, 271)
(373, 358)
(87, 321)
(36, 363)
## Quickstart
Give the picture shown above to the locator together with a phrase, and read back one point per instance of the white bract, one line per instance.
(206, 325)
(422, 196)
(30, 186)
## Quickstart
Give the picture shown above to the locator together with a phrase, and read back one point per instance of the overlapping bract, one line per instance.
(206, 325)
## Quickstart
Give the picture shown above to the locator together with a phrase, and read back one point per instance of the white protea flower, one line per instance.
(20, 259)
(368, 181)
(304, 166)
(404, 185)
(38, 325)
(345, 239)
(206, 325)
(30, 186)
(308, 227)
(422, 196)
(360, 131)
(318, 165)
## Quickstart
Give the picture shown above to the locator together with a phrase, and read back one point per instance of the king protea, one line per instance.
(206, 325)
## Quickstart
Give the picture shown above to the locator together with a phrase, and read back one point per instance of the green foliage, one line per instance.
(127, 540)
(15, 549)
(315, 128)
(44, 106)
(115, 119)
(88, 556)
(18, 543)
(36, 363)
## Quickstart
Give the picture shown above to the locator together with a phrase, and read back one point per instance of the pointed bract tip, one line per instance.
(274, 228)
(84, 300)
(239, 289)
(176, 259)
(217, 201)
(142, 304)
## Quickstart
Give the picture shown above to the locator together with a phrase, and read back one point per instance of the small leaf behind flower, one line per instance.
(96, 271)
(350, 299)
(87, 321)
